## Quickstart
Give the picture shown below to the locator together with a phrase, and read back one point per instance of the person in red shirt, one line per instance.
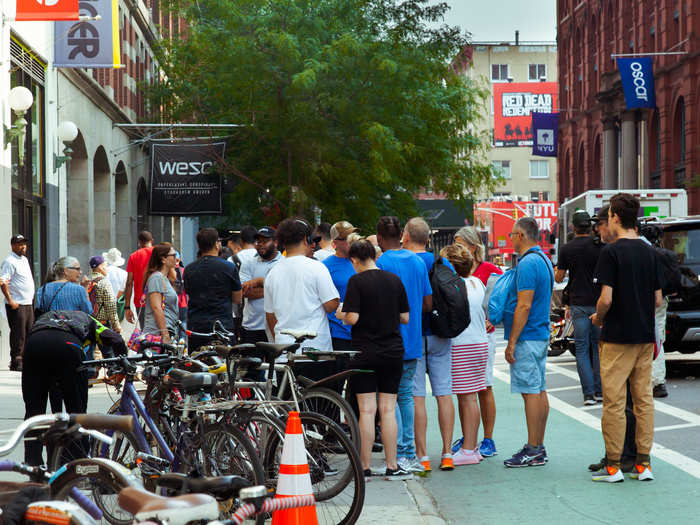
(136, 268)
(470, 238)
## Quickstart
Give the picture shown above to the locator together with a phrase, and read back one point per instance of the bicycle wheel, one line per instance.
(225, 450)
(337, 479)
(331, 404)
(262, 430)
(100, 481)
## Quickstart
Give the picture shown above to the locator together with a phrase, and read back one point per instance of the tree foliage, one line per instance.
(348, 105)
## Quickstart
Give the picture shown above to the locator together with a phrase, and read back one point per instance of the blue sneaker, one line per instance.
(544, 453)
(526, 457)
(457, 445)
(488, 448)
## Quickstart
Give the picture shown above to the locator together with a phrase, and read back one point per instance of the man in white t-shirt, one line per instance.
(247, 251)
(18, 288)
(299, 291)
(115, 274)
(253, 273)
(325, 244)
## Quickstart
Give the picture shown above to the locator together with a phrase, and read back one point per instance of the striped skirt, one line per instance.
(469, 367)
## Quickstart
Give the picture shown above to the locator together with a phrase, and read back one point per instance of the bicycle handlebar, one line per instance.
(104, 422)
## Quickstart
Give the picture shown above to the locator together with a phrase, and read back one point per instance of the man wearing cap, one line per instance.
(323, 231)
(104, 305)
(115, 274)
(18, 288)
(253, 273)
(580, 256)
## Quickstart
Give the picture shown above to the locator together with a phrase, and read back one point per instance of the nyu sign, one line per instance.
(637, 82)
(545, 127)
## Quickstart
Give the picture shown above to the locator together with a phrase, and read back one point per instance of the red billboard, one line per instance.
(513, 104)
(496, 219)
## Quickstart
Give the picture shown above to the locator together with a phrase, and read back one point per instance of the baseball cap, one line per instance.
(340, 230)
(18, 239)
(266, 231)
(602, 214)
(581, 218)
(96, 261)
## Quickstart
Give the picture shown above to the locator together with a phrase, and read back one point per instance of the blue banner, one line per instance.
(637, 78)
(544, 134)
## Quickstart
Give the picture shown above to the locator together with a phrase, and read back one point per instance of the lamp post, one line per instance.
(67, 132)
(20, 100)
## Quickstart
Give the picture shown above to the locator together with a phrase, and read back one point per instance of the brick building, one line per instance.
(603, 145)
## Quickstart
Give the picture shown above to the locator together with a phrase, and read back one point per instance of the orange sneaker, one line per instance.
(609, 474)
(425, 462)
(446, 462)
(642, 472)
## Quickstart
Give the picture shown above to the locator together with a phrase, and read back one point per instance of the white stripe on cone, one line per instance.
(294, 485)
(293, 450)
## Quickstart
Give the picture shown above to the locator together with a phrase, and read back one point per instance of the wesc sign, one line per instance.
(183, 181)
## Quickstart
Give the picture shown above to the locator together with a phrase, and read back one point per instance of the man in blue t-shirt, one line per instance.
(527, 332)
(436, 361)
(414, 276)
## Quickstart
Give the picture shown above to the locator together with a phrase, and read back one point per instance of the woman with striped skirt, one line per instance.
(470, 351)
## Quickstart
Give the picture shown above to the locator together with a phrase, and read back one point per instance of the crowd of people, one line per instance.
(377, 294)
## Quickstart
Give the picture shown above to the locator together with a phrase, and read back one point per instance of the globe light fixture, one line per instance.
(20, 100)
(67, 132)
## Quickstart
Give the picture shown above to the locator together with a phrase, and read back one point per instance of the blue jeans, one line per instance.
(406, 447)
(586, 340)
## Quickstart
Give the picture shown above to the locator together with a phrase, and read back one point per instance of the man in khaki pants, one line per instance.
(631, 281)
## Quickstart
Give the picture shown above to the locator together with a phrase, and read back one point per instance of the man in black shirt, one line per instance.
(212, 286)
(580, 256)
(630, 277)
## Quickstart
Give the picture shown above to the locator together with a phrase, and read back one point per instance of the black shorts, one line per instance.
(386, 376)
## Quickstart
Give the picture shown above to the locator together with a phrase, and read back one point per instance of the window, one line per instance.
(539, 169)
(499, 72)
(501, 194)
(539, 196)
(536, 71)
(501, 168)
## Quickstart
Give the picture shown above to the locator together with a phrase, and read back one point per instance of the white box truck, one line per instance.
(654, 203)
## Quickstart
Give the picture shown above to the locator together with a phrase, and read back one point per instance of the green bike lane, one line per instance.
(561, 491)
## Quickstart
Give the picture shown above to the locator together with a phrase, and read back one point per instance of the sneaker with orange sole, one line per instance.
(609, 474)
(425, 461)
(446, 462)
(642, 473)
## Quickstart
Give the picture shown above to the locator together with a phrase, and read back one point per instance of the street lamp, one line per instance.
(20, 100)
(67, 132)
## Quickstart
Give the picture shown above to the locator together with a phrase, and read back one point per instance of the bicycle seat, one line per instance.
(221, 487)
(175, 511)
(201, 381)
(300, 335)
(272, 351)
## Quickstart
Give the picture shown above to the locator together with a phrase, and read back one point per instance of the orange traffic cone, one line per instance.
(294, 478)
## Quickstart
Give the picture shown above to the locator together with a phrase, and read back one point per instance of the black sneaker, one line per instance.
(660, 390)
(589, 400)
(377, 447)
(397, 474)
(598, 396)
(596, 467)
(368, 474)
(627, 466)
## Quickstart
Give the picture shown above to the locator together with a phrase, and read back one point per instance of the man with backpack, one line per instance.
(101, 295)
(436, 359)
(527, 332)
(414, 276)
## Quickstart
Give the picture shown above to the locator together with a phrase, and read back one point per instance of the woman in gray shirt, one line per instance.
(162, 304)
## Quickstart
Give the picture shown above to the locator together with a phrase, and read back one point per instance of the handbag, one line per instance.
(40, 310)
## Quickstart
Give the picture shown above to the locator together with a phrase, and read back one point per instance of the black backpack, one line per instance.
(75, 322)
(450, 314)
(672, 271)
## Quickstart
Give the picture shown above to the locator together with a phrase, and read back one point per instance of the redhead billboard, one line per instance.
(513, 105)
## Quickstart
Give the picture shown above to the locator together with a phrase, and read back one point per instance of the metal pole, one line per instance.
(613, 55)
(156, 125)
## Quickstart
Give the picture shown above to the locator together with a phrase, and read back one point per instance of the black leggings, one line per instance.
(51, 358)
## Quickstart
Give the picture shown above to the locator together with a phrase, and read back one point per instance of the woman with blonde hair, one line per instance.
(470, 238)
(469, 356)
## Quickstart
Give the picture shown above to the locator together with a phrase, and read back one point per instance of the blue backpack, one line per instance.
(504, 297)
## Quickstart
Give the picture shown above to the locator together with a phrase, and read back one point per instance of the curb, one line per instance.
(425, 503)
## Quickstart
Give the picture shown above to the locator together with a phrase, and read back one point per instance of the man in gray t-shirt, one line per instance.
(253, 273)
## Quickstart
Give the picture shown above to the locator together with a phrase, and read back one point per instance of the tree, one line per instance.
(351, 105)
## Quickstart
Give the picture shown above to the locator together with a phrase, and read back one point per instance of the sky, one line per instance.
(489, 20)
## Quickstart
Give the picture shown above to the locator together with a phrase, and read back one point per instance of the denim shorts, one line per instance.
(527, 373)
(438, 357)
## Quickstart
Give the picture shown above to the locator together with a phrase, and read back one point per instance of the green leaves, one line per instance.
(351, 102)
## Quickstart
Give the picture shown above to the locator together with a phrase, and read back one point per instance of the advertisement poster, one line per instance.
(183, 180)
(513, 105)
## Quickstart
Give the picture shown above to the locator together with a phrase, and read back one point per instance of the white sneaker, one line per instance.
(642, 473)
(410, 465)
(609, 475)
